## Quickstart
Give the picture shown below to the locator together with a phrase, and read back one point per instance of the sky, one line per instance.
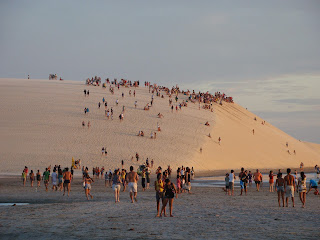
(265, 54)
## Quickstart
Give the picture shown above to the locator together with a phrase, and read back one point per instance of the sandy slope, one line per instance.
(239, 147)
(41, 125)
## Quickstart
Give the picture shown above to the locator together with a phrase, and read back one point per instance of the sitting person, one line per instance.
(139, 134)
(207, 123)
(142, 134)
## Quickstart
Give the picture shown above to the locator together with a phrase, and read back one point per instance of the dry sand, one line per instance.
(206, 214)
(40, 125)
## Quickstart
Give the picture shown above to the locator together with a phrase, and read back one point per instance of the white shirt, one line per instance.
(231, 177)
(54, 177)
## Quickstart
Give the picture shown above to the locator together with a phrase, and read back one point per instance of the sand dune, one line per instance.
(41, 125)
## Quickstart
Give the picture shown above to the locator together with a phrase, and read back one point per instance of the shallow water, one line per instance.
(11, 204)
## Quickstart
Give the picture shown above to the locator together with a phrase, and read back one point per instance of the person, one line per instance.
(301, 164)
(250, 178)
(132, 179)
(143, 180)
(258, 179)
(83, 124)
(46, 178)
(54, 178)
(188, 180)
(280, 188)
(169, 191)
(243, 181)
(302, 186)
(231, 182)
(313, 185)
(87, 186)
(148, 172)
(158, 186)
(67, 181)
(24, 178)
(226, 179)
(60, 179)
(110, 177)
(31, 175)
(123, 179)
(219, 140)
(38, 178)
(116, 181)
(289, 186)
(271, 181)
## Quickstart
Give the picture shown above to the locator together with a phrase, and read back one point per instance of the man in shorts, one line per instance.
(67, 181)
(313, 185)
(132, 179)
(257, 179)
(289, 186)
(46, 178)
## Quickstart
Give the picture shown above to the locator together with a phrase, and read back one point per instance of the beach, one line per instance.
(206, 214)
(41, 126)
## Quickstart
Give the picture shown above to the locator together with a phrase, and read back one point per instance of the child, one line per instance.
(280, 188)
(271, 181)
(226, 179)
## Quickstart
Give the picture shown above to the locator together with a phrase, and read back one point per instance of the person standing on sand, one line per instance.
(188, 180)
(232, 177)
(302, 185)
(54, 177)
(46, 178)
(158, 186)
(38, 178)
(226, 179)
(169, 191)
(243, 181)
(60, 179)
(87, 186)
(67, 181)
(289, 186)
(116, 185)
(24, 178)
(271, 181)
(258, 179)
(31, 177)
(219, 140)
(132, 179)
(280, 188)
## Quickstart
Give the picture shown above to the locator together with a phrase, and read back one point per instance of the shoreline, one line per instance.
(214, 173)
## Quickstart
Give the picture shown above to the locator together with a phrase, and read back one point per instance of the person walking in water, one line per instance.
(289, 186)
(132, 179)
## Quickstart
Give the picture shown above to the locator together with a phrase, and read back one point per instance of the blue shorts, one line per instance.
(241, 184)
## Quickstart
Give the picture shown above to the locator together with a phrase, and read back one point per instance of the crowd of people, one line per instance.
(284, 186)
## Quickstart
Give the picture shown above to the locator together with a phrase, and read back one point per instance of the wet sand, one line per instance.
(206, 214)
